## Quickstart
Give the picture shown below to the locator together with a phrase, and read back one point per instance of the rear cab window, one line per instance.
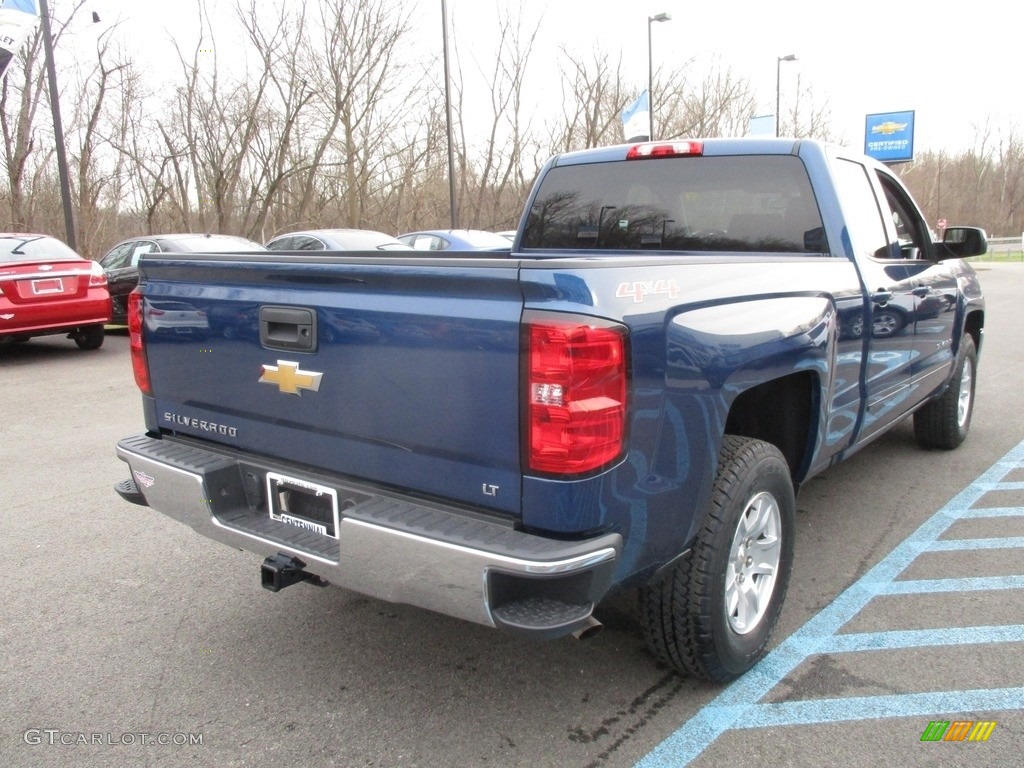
(750, 203)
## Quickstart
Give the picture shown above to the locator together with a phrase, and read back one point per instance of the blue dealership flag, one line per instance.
(18, 19)
(636, 119)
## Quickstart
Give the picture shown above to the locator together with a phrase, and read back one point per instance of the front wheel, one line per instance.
(712, 615)
(945, 422)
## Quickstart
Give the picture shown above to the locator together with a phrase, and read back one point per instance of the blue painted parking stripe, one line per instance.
(1001, 486)
(951, 545)
(871, 707)
(918, 638)
(974, 514)
(736, 705)
(972, 584)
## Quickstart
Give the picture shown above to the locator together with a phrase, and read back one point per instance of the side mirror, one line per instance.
(815, 240)
(965, 241)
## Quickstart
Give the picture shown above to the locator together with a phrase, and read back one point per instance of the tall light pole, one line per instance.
(448, 120)
(778, 98)
(58, 129)
(650, 73)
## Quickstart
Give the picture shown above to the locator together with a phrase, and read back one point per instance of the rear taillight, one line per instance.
(575, 393)
(136, 343)
(97, 277)
(665, 149)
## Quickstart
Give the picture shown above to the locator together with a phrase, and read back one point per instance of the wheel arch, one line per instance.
(782, 412)
(974, 325)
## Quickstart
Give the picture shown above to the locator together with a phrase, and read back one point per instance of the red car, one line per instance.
(46, 288)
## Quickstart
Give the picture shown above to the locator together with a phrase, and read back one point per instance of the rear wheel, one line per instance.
(712, 615)
(945, 422)
(89, 337)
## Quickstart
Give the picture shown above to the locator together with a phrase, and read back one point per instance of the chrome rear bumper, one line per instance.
(390, 547)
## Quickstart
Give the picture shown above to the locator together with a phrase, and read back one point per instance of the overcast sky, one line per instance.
(956, 65)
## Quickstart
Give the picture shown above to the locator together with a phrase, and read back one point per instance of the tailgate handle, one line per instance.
(288, 328)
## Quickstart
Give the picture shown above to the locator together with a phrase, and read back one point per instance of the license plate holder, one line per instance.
(302, 504)
(47, 286)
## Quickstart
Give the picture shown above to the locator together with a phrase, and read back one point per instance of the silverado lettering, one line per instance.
(649, 389)
(200, 424)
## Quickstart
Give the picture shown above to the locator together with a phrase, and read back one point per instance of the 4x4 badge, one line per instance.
(289, 378)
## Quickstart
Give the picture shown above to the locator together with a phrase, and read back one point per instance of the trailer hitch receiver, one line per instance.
(283, 570)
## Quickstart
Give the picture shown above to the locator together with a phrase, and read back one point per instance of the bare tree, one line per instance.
(146, 169)
(1010, 164)
(222, 116)
(594, 97)
(20, 100)
(492, 175)
(23, 135)
(273, 159)
(808, 118)
(92, 133)
(718, 104)
(364, 87)
(323, 117)
(418, 196)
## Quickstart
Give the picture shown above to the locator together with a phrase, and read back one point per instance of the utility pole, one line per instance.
(58, 129)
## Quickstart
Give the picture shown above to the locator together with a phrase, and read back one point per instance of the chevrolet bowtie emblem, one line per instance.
(289, 378)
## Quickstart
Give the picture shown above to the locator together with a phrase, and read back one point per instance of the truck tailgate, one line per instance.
(377, 369)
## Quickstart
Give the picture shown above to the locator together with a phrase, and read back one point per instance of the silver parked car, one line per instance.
(336, 240)
(456, 240)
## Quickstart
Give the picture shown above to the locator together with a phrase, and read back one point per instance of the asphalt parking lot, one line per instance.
(127, 639)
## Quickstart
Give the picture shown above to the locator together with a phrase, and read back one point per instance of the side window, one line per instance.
(864, 219)
(428, 243)
(141, 248)
(117, 258)
(910, 235)
(306, 243)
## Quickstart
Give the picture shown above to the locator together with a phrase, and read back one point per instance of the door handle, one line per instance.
(921, 291)
(881, 297)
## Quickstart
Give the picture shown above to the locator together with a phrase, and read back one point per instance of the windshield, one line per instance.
(736, 203)
(14, 248)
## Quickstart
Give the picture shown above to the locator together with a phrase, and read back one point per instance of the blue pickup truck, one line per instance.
(682, 334)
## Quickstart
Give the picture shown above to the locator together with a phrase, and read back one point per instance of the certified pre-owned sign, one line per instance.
(889, 137)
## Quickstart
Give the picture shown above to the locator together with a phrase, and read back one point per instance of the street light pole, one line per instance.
(448, 121)
(58, 129)
(650, 73)
(778, 97)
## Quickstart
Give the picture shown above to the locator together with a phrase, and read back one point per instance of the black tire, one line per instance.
(944, 422)
(686, 618)
(89, 337)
